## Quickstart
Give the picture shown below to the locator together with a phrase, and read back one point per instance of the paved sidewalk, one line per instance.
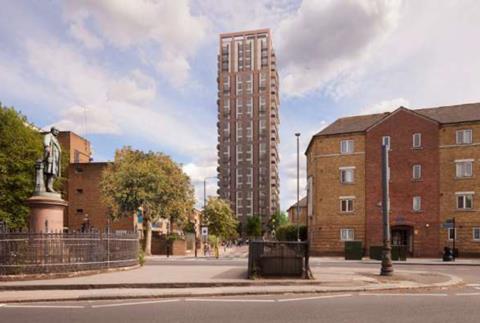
(165, 280)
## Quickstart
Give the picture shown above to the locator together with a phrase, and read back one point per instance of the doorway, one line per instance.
(402, 237)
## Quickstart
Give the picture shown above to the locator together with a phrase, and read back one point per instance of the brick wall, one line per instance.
(324, 162)
(449, 184)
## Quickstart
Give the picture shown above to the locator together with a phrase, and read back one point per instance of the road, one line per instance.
(456, 304)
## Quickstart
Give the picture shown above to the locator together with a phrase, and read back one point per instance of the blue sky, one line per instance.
(143, 73)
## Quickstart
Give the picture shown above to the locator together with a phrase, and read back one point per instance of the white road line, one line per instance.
(389, 294)
(468, 294)
(229, 300)
(472, 285)
(42, 306)
(314, 297)
(135, 303)
(2, 305)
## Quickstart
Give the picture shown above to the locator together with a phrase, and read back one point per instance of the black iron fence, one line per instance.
(278, 258)
(39, 253)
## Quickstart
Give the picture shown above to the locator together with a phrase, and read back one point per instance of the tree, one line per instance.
(20, 147)
(288, 232)
(220, 218)
(150, 182)
(254, 226)
(278, 219)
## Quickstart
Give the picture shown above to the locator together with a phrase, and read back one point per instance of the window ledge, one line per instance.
(347, 213)
(348, 183)
(413, 180)
(417, 148)
(465, 210)
(463, 178)
(419, 211)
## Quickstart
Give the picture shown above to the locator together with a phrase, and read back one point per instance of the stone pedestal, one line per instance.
(46, 212)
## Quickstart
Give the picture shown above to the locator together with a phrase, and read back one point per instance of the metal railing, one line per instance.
(40, 253)
(278, 258)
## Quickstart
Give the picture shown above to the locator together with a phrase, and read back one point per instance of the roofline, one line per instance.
(401, 108)
(245, 32)
(332, 135)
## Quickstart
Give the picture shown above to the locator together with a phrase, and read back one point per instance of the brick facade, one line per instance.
(437, 186)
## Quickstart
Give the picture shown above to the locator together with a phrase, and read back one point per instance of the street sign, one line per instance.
(204, 231)
(447, 225)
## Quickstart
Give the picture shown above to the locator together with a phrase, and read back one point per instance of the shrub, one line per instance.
(288, 232)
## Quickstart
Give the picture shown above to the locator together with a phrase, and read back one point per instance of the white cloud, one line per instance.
(135, 88)
(323, 40)
(81, 33)
(166, 25)
(385, 106)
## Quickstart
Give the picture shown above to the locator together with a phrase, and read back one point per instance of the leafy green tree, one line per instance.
(288, 232)
(220, 218)
(20, 146)
(254, 226)
(278, 219)
(151, 182)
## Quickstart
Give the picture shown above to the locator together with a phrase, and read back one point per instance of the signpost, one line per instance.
(204, 233)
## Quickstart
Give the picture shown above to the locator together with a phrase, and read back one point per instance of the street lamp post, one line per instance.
(387, 267)
(298, 185)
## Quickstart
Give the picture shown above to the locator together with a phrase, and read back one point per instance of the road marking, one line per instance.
(2, 305)
(135, 303)
(472, 285)
(477, 287)
(42, 306)
(468, 294)
(229, 300)
(389, 294)
(314, 297)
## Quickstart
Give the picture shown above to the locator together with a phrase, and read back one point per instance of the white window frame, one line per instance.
(249, 106)
(346, 170)
(349, 203)
(417, 203)
(417, 140)
(226, 82)
(460, 136)
(347, 146)
(249, 153)
(473, 233)
(248, 82)
(449, 234)
(239, 106)
(464, 168)
(417, 172)
(239, 130)
(464, 196)
(347, 234)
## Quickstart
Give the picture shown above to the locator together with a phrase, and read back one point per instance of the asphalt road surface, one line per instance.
(455, 304)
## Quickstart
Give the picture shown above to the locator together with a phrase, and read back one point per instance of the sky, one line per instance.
(143, 73)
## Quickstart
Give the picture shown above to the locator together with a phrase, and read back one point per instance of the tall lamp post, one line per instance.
(298, 185)
(387, 267)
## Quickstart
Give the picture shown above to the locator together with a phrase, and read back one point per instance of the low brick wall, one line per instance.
(159, 247)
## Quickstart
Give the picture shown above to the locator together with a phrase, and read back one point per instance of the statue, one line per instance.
(52, 158)
(48, 168)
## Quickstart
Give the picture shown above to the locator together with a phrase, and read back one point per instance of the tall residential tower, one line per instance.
(248, 103)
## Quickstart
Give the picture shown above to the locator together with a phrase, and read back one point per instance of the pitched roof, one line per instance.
(303, 203)
(448, 114)
(453, 113)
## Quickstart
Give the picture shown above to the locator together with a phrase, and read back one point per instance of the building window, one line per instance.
(386, 141)
(226, 107)
(249, 131)
(263, 81)
(417, 172)
(239, 179)
(464, 168)
(262, 149)
(248, 154)
(346, 175)
(262, 107)
(249, 106)
(347, 234)
(79, 211)
(239, 85)
(417, 203)
(239, 107)
(79, 190)
(464, 136)
(248, 83)
(249, 177)
(452, 233)
(464, 200)
(239, 130)
(346, 147)
(476, 234)
(417, 140)
(346, 204)
(226, 83)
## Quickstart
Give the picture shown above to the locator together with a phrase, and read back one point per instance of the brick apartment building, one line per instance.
(292, 212)
(82, 189)
(434, 176)
(248, 103)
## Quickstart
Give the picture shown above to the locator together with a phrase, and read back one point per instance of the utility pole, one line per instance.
(298, 185)
(387, 267)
